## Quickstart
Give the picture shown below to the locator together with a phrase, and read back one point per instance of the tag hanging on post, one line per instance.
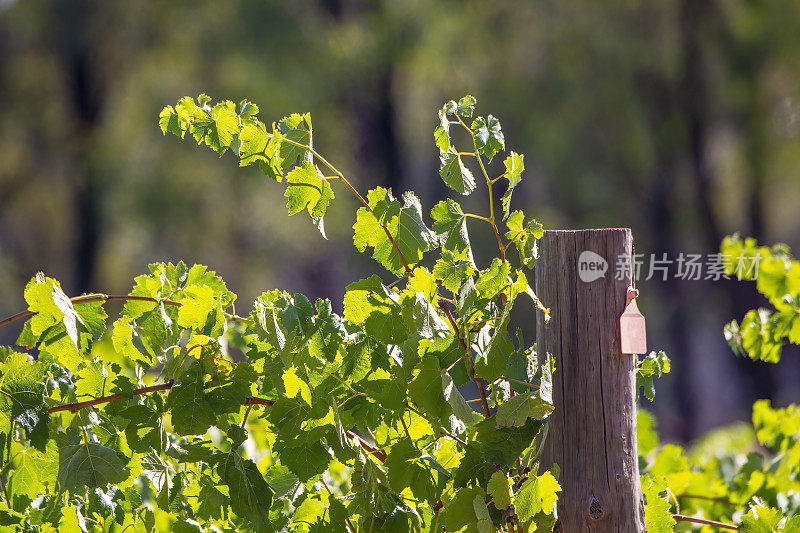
(633, 337)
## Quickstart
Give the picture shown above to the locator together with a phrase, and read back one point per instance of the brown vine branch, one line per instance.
(5, 492)
(684, 518)
(77, 406)
(478, 381)
(87, 298)
(251, 400)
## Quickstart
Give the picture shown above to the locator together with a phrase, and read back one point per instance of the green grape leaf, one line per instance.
(461, 409)
(427, 322)
(453, 269)
(424, 282)
(427, 392)
(516, 410)
(503, 446)
(228, 391)
(192, 413)
(145, 431)
(466, 297)
(10, 517)
(646, 436)
(761, 519)
(71, 520)
(448, 350)
(92, 380)
(473, 467)
(493, 280)
(494, 361)
(441, 134)
(776, 427)
(465, 106)
(295, 386)
(216, 126)
(296, 128)
(60, 330)
(455, 173)
(307, 189)
(537, 494)
(253, 140)
(450, 223)
(488, 136)
(515, 164)
(35, 472)
(170, 122)
(196, 306)
(658, 517)
(247, 109)
(759, 337)
(524, 237)
(306, 461)
(157, 471)
(792, 525)
(369, 303)
(404, 224)
(51, 306)
(250, 495)
(652, 366)
(22, 390)
(88, 465)
(468, 510)
(499, 489)
(406, 469)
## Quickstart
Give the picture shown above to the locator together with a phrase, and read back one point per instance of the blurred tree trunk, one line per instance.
(661, 102)
(697, 19)
(78, 52)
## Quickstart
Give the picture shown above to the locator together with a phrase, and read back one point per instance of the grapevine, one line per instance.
(185, 416)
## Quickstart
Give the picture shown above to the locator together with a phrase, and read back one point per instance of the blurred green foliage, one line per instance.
(677, 118)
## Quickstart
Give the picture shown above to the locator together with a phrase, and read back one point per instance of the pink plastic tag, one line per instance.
(633, 336)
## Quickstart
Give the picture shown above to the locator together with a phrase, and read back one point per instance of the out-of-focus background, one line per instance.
(677, 118)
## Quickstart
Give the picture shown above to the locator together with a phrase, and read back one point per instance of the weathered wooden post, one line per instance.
(592, 434)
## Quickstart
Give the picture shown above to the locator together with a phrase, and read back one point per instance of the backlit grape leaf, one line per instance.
(250, 495)
(503, 446)
(462, 511)
(296, 128)
(88, 465)
(453, 269)
(455, 173)
(192, 413)
(22, 390)
(307, 189)
(403, 222)
(524, 236)
(516, 410)
(451, 225)
(35, 472)
(499, 489)
(515, 164)
(537, 494)
(658, 517)
(215, 126)
(654, 365)
(488, 136)
(427, 392)
(494, 361)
